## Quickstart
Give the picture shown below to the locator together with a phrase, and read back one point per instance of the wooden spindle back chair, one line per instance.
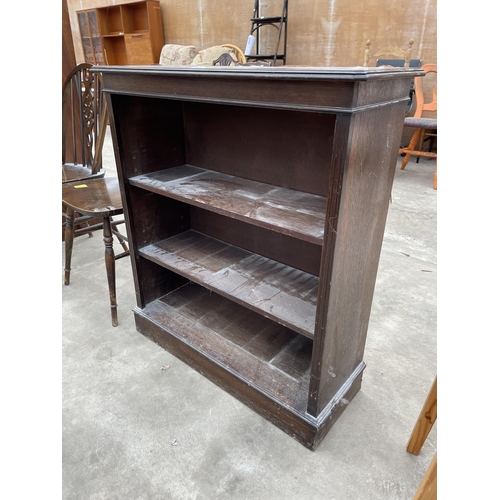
(90, 202)
(84, 121)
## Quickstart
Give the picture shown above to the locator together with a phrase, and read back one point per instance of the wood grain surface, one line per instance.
(277, 291)
(286, 211)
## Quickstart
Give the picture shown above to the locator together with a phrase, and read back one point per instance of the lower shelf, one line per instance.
(280, 292)
(263, 364)
(264, 353)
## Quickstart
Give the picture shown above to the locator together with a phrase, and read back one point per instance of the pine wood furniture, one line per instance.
(128, 33)
(425, 421)
(427, 489)
(424, 126)
(255, 202)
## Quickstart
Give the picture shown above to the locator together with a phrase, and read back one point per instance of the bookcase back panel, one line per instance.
(280, 247)
(269, 146)
(261, 144)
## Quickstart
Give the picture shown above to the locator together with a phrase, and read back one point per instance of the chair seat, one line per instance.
(427, 123)
(72, 172)
(102, 200)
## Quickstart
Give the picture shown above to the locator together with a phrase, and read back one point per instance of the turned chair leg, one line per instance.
(421, 141)
(69, 235)
(413, 142)
(109, 259)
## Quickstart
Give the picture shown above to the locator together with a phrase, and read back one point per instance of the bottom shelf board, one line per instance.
(265, 354)
(263, 364)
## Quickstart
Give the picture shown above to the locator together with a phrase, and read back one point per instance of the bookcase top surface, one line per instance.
(354, 73)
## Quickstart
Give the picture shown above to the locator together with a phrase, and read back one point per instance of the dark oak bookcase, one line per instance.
(255, 201)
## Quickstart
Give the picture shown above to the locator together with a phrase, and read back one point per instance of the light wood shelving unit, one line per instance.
(122, 34)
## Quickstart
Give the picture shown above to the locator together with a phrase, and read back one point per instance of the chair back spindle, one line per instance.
(84, 119)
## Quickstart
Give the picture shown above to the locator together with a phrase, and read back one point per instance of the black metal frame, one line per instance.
(278, 22)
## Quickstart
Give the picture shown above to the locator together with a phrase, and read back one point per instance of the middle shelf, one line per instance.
(275, 290)
(287, 211)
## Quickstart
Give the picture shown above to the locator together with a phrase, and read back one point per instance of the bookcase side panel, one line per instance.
(154, 281)
(360, 222)
(151, 219)
(150, 133)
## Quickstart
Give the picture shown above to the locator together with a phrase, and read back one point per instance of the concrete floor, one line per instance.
(138, 424)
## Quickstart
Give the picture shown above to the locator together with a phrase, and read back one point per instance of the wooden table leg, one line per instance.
(425, 421)
(69, 236)
(109, 259)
